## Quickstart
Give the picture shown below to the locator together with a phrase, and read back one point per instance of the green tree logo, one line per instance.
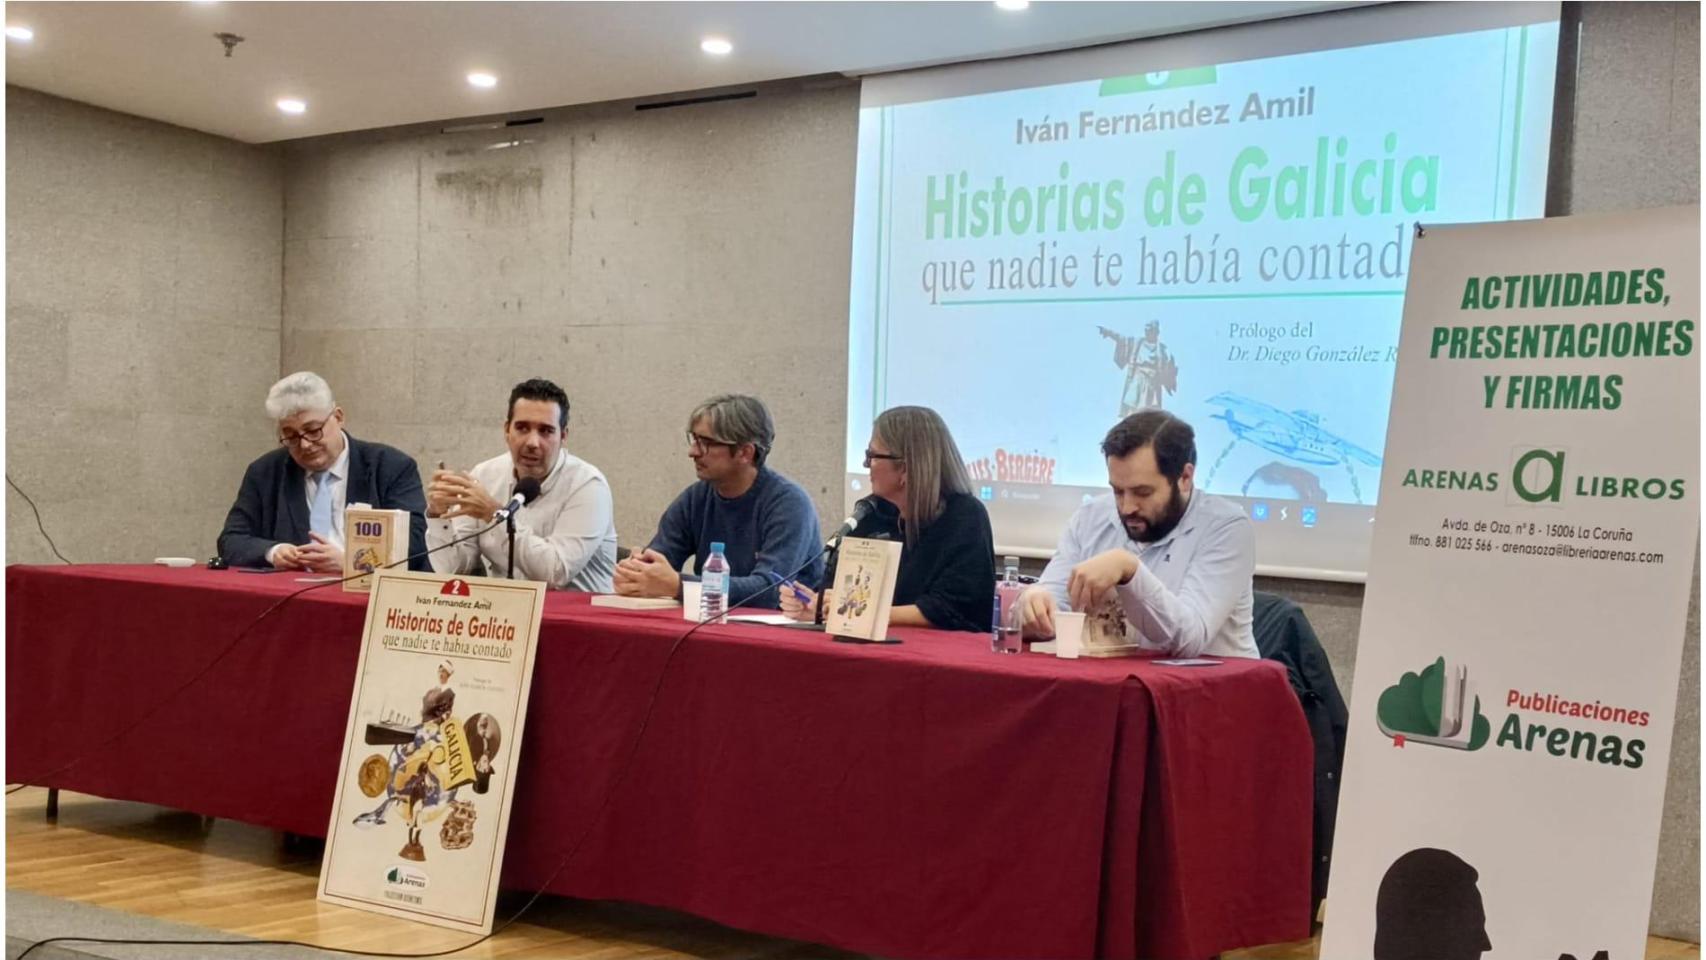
(1437, 706)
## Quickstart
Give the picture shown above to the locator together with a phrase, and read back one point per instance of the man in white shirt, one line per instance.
(565, 537)
(1171, 564)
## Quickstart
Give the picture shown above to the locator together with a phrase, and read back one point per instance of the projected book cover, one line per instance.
(1227, 241)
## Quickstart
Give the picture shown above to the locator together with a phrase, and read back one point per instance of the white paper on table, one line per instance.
(770, 619)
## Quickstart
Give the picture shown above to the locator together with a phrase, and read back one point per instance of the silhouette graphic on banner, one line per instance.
(1429, 908)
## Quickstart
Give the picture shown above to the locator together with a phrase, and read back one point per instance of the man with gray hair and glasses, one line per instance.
(289, 512)
(765, 522)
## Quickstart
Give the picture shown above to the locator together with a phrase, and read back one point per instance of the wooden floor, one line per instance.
(168, 865)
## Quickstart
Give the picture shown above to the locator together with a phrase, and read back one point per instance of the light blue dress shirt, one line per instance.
(1192, 592)
(337, 475)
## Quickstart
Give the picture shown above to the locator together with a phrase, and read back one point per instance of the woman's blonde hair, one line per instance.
(934, 468)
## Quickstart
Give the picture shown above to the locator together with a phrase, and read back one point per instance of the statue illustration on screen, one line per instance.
(1150, 370)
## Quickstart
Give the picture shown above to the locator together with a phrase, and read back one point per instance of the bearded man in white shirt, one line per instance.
(1171, 564)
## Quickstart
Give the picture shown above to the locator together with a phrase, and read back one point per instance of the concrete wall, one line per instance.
(1635, 139)
(644, 260)
(142, 328)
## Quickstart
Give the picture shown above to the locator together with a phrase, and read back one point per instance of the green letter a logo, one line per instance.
(1554, 485)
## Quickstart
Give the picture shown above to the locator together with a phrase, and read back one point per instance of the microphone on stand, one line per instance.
(861, 510)
(526, 491)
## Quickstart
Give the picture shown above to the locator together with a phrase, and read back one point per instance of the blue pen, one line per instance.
(799, 594)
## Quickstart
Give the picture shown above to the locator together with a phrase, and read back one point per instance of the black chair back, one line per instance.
(1283, 634)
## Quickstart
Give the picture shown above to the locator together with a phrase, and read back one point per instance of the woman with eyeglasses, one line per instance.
(924, 499)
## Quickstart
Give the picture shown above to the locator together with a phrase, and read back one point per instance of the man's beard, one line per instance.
(1164, 524)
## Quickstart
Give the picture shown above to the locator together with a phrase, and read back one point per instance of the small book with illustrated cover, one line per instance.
(1107, 633)
(859, 602)
(373, 539)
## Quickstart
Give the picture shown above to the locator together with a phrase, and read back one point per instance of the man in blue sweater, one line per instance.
(765, 521)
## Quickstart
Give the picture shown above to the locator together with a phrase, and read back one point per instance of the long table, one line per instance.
(929, 800)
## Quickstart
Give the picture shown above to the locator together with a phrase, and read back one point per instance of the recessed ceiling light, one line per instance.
(716, 46)
(20, 33)
(292, 106)
(1013, 4)
(482, 80)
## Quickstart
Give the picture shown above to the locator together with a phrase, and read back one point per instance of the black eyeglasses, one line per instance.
(701, 442)
(874, 455)
(309, 434)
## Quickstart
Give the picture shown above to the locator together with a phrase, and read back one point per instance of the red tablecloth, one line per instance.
(923, 800)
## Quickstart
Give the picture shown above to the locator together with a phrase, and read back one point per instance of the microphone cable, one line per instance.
(50, 544)
(592, 822)
(226, 651)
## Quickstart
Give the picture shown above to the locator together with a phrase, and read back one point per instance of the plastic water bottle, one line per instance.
(1006, 637)
(714, 587)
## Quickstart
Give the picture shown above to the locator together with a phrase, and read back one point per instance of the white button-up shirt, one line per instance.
(1191, 595)
(566, 537)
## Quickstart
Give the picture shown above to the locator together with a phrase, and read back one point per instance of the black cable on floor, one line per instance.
(592, 822)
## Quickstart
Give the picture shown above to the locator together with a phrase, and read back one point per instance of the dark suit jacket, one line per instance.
(272, 503)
